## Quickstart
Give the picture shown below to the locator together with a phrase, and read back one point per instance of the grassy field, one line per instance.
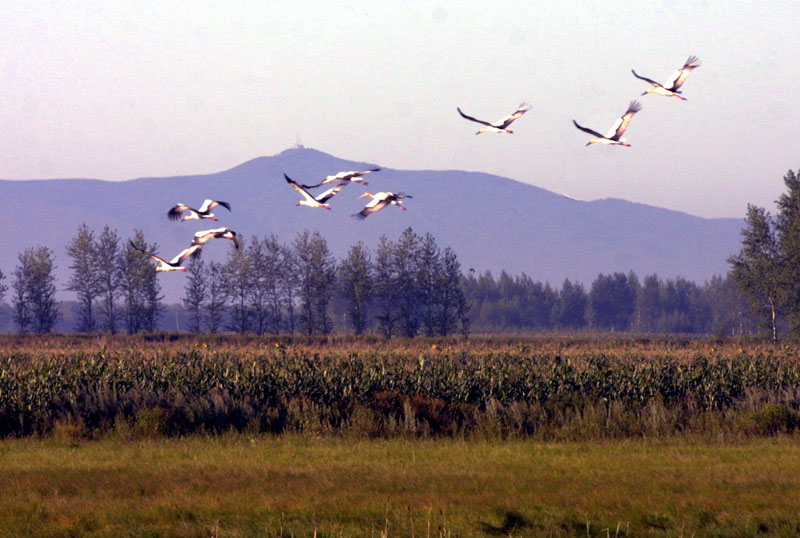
(236, 485)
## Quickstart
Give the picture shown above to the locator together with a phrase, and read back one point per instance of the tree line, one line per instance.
(411, 287)
(615, 303)
(115, 286)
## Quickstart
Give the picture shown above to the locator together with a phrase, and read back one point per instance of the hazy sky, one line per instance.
(119, 90)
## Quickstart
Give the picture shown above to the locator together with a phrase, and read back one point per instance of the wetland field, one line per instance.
(177, 435)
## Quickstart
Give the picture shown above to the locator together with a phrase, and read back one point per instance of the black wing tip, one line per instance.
(635, 106)
(378, 169)
(288, 179)
(226, 205)
(693, 61)
(173, 214)
(359, 216)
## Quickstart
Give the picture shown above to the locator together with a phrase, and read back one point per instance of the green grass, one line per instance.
(236, 485)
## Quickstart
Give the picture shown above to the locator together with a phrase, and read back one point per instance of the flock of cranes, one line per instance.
(380, 200)
(199, 239)
(668, 89)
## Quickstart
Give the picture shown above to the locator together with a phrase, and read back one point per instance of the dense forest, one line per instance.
(405, 287)
(615, 302)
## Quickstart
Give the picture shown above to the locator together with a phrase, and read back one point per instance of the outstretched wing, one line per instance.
(204, 236)
(508, 120)
(476, 120)
(622, 123)
(177, 210)
(208, 205)
(145, 253)
(651, 81)
(677, 78)
(330, 193)
(375, 205)
(193, 250)
(587, 130)
(299, 188)
(341, 176)
(348, 176)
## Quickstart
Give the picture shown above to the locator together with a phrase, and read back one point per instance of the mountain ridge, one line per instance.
(491, 222)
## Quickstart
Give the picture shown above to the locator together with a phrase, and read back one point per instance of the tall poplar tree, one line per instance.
(35, 306)
(290, 285)
(21, 307)
(265, 286)
(139, 287)
(757, 267)
(452, 308)
(385, 289)
(237, 273)
(787, 231)
(273, 282)
(107, 265)
(317, 273)
(216, 291)
(195, 294)
(85, 280)
(356, 286)
(428, 279)
(405, 263)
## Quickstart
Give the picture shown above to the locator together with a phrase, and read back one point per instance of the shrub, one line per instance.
(772, 419)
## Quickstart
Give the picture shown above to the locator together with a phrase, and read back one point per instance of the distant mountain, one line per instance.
(491, 222)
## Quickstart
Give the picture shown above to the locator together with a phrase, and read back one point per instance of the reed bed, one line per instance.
(547, 388)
